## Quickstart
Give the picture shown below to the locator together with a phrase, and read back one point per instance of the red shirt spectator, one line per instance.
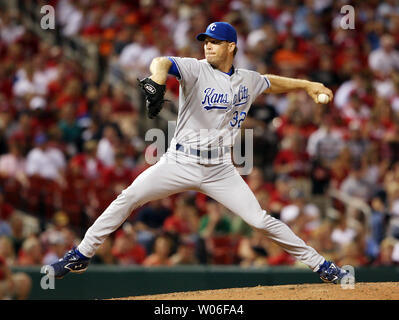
(118, 174)
(72, 94)
(6, 211)
(126, 250)
(87, 163)
(293, 163)
(184, 220)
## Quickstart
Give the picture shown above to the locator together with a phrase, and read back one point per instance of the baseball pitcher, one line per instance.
(214, 99)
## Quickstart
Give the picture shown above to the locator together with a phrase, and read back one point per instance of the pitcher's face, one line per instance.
(217, 51)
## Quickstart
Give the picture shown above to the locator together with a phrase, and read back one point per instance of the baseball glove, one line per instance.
(154, 94)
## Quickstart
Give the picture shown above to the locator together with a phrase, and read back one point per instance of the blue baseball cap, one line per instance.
(220, 31)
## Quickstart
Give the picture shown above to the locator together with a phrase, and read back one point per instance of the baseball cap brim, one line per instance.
(202, 36)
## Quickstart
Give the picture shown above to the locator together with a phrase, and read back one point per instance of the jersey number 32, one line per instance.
(238, 118)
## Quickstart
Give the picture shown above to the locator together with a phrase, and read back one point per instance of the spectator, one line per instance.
(104, 253)
(117, 177)
(391, 138)
(18, 234)
(12, 164)
(281, 190)
(54, 229)
(292, 159)
(376, 166)
(377, 226)
(395, 253)
(325, 143)
(341, 167)
(70, 16)
(325, 72)
(126, 250)
(384, 60)
(277, 256)
(184, 219)
(215, 222)
(385, 257)
(31, 252)
(289, 59)
(322, 240)
(355, 185)
(27, 85)
(161, 252)
(121, 103)
(11, 28)
(107, 146)
(56, 248)
(46, 161)
(252, 251)
(70, 129)
(13, 285)
(357, 85)
(216, 232)
(393, 225)
(6, 210)
(352, 254)
(320, 177)
(182, 225)
(86, 162)
(342, 234)
(185, 254)
(5, 229)
(149, 220)
(71, 93)
(356, 143)
(255, 180)
(7, 251)
(23, 130)
(355, 111)
(136, 57)
(301, 215)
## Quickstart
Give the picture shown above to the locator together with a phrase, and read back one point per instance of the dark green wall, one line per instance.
(100, 282)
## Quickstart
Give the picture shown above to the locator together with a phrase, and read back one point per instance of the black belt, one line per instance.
(210, 154)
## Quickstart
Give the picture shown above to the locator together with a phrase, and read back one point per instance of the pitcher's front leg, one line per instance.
(157, 182)
(235, 195)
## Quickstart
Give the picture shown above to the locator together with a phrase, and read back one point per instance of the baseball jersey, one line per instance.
(213, 104)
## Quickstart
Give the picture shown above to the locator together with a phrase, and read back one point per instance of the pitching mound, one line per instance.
(324, 291)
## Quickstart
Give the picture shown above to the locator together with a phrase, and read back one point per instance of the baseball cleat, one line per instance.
(329, 272)
(73, 261)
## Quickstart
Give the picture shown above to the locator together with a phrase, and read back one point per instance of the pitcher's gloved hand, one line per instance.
(154, 94)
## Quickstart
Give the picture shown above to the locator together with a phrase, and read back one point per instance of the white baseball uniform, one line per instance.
(212, 106)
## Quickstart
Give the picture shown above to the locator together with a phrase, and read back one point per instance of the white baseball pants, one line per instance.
(222, 182)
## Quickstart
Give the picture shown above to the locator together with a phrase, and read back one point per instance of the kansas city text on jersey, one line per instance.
(215, 100)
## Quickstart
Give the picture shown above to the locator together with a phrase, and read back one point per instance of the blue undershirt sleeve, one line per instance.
(174, 71)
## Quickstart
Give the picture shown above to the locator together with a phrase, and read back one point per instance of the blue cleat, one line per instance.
(73, 261)
(331, 273)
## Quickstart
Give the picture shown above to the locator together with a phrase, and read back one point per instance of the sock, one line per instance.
(80, 254)
(322, 266)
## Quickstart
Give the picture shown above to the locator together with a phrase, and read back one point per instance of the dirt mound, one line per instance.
(361, 291)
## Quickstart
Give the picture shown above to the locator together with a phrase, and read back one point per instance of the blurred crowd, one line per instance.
(69, 142)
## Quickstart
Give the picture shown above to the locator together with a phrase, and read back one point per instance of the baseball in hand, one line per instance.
(323, 98)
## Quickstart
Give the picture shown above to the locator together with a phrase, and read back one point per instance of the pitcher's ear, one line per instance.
(233, 48)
